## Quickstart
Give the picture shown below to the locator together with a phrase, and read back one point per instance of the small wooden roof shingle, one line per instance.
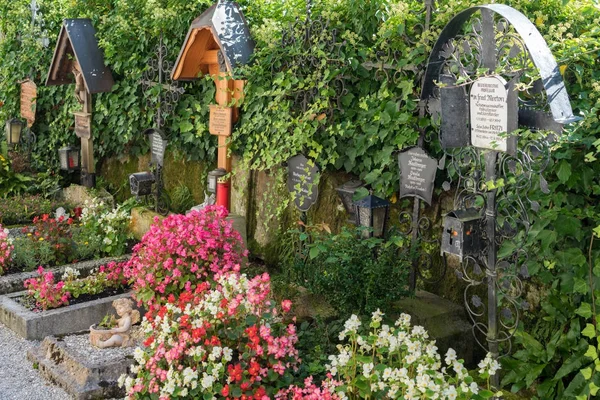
(230, 34)
(77, 43)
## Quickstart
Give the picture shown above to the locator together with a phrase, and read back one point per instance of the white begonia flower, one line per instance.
(376, 316)
(450, 356)
(227, 354)
(474, 388)
(207, 381)
(367, 368)
(138, 354)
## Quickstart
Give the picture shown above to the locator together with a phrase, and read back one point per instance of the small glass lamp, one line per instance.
(14, 127)
(69, 158)
(372, 212)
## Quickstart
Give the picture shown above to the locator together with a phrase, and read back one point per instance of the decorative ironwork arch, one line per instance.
(558, 98)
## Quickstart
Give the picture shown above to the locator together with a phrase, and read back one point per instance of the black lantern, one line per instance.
(462, 232)
(14, 127)
(141, 183)
(372, 212)
(346, 192)
(69, 158)
(213, 179)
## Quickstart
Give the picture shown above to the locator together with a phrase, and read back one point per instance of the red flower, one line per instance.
(225, 391)
(235, 372)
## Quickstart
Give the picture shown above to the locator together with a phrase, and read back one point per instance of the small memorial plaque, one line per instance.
(417, 174)
(489, 113)
(83, 125)
(220, 120)
(28, 101)
(302, 181)
(158, 145)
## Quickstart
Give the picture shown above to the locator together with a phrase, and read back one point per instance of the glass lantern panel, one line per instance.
(364, 219)
(379, 215)
(63, 157)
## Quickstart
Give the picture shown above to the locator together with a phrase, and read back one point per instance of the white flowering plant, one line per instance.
(102, 229)
(400, 362)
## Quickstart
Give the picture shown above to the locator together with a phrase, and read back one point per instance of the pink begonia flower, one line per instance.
(286, 305)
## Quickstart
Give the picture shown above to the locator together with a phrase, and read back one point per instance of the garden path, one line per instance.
(18, 379)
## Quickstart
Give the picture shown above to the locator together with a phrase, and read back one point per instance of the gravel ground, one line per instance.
(18, 379)
(81, 344)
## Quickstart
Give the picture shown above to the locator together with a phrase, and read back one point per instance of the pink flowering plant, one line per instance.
(6, 248)
(222, 340)
(45, 293)
(400, 362)
(182, 251)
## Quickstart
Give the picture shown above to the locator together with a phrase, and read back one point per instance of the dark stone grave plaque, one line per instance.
(417, 174)
(302, 181)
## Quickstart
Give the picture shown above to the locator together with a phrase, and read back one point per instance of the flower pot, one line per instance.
(98, 334)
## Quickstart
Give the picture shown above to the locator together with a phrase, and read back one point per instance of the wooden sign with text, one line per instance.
(28, 101)
(220, 120)
(83, 124)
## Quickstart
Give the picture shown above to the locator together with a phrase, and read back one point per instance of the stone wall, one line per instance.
(256, 195)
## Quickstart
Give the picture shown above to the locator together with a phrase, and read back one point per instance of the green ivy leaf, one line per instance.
(587, 373)
(591, 353)
(589, 331)
(585, 310)
(580, 285)
(564, 171)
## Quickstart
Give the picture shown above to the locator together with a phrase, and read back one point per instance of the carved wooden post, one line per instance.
(78, 59)
(217, 42)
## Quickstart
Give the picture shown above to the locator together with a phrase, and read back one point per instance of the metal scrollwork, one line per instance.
(160, 91)
(308, 67)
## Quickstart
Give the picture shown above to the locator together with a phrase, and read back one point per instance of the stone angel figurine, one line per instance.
(120, 335)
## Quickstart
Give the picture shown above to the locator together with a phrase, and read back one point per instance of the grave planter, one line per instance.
(12, 283)
(59, 321)
(82, 373)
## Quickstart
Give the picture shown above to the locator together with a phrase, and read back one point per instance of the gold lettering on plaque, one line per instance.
(220, 120)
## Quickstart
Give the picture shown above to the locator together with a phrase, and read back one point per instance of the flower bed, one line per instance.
(93, 232)
(33, 325)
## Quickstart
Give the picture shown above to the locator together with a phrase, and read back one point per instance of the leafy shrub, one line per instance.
(354, 274)
(11, 182)
(103, 229)
(182, 251)
(6, 248)
(46, 242)
(182, 199)
(223, 340)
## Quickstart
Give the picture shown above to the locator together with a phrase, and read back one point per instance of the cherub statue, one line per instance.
(119, 336)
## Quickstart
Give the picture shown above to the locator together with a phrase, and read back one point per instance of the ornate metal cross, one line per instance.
(158, 74)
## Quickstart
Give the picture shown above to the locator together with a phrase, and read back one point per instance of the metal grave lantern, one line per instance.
(141, 183)
(217, 42)
(14, 127)
(69, 158)
(150, 183)
(346, 193)
(372, 212)
(78, 59)
(213, 179)
(462, 233)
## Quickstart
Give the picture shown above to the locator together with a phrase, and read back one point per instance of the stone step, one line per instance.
(445, 321)
(82, 378)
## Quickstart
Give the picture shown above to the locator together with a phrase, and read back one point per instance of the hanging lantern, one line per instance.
(346, 192)
(14, 127)
(69, 158)
(372, 212)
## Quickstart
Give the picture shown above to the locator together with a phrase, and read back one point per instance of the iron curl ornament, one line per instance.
(495, 40)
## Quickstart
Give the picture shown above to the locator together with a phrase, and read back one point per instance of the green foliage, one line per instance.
(21, 209)
(108, 322)
(354, 274)
(181, 199)
(11, 182)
